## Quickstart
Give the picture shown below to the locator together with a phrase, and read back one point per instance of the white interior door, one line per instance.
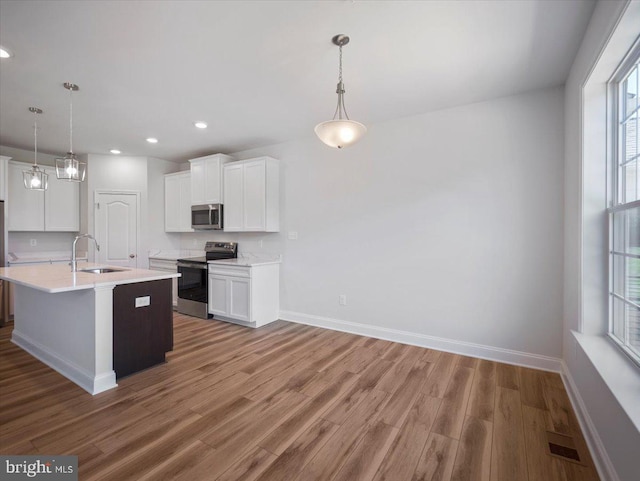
(116, 218)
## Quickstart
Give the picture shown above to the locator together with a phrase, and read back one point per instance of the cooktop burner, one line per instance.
(215, 251)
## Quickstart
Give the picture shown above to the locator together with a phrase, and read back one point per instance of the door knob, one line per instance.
(131, 256)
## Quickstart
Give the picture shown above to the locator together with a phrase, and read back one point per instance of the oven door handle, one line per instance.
(192, 266)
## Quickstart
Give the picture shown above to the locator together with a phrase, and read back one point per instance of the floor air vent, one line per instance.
(563, 447)
(564, 452)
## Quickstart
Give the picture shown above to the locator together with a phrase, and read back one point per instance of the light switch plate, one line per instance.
(143, 301)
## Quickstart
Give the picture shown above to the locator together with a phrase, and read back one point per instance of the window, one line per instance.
(624, 212)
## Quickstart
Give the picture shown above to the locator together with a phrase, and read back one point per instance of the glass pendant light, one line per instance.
(340, 132)
(70, 168)
(34, 178)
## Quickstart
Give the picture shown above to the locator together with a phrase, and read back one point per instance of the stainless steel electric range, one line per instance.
(192, 285)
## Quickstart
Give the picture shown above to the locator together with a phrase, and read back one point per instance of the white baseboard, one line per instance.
(449, 345)
(84, 379)
(601, 459)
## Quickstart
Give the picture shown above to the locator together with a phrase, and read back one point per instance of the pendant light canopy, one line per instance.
(34, 178)
(69, 167)
(341, 131)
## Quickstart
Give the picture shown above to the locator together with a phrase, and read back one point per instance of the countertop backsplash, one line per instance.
(250, 243)
(40, 242)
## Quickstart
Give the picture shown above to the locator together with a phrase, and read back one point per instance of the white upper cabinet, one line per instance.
(177, 202)
(252, 195)
(3, 176)
(26, 207)
(233, 203)
(61, 204)
(255, 195)
(56, 209)
(206, 179)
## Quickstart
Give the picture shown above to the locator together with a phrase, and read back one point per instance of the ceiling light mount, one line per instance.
(340, 131)
(34, 178)
(69, 167)
(340, 40)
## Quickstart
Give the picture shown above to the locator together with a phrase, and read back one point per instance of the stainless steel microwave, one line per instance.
(206, 217)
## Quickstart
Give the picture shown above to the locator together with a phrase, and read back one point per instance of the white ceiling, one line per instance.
(262, 72)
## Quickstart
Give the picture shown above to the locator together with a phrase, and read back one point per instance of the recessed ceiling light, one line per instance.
(151, 140)
(115, 151)
(4, 53)
(200, 124)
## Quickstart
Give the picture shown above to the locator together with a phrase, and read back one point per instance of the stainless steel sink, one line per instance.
(102, 270)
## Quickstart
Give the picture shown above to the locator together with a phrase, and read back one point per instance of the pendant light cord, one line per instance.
(340, 71)
(70, 121)
(35, 139)
(340, 108)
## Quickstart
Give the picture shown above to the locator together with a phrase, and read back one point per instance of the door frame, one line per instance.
(96, 195)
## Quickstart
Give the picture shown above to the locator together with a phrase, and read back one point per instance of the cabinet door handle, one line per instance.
(131, 256)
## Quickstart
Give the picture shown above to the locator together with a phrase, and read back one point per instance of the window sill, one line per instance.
(619, 373)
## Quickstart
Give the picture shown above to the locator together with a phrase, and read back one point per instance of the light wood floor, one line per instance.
(292, 402)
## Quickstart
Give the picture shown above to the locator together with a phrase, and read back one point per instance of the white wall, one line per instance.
(601, 378)
(21, 155)
(447, 224)
(135, 174)
(118, 173)
(157, 238)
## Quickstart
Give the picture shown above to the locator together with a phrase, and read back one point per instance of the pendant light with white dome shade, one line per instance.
(69, 167)
(34, 178)
(341, 131)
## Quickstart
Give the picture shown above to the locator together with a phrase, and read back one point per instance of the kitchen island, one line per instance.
(66, 319)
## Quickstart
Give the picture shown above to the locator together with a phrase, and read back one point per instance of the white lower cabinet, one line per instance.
(230, 297)
(247, 295)
(167, 265)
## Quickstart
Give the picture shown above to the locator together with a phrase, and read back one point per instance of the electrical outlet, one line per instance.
(293, 235)
(342, 299)
(33, 242)
(260, 243)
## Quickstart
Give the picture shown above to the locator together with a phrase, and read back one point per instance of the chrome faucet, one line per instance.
(74, 262)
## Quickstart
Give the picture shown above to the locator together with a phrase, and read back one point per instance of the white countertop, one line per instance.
(16, 258)
(174, 255)
(249, 260)
(54, 278)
